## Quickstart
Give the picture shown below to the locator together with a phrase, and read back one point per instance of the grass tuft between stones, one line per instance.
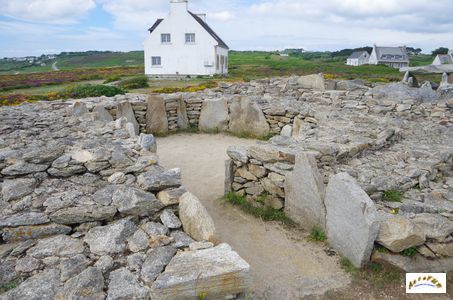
(265, 213)
(8, 286)
(317, 235)
(393, 196)
(375, 274)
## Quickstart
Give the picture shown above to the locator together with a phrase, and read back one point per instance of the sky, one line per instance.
(34, 27)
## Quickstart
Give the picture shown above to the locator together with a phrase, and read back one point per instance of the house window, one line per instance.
(190, 38)
(156, 61)
(165, 38)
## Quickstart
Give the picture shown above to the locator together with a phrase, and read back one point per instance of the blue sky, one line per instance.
(33, 27)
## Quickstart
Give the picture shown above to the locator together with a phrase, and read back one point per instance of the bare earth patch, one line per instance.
(284, 264)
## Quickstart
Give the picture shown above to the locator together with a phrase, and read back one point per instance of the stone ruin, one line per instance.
(87, 211)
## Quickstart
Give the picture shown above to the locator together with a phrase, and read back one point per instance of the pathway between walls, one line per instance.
(284, 265)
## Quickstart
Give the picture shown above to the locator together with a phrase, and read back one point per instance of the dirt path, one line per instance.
(283, 264)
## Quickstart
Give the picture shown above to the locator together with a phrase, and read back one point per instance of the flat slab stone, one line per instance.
(430, 69)
(216, 272)
(352, 219)
(41, 286)
(314, 81)
(416, 264)
(156, 115)
(214, 115)
(305, 191)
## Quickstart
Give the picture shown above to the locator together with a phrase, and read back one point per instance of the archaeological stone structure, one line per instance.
(88, 211)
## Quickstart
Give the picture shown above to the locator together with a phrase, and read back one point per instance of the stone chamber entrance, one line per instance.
(284, 264)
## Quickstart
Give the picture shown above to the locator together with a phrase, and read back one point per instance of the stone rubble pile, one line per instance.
(88, 212)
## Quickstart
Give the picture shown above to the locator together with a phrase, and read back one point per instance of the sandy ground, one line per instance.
(283, 264)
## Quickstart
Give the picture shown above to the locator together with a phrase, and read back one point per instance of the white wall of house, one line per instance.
(373, 57)
(362, 60)
(178, 57)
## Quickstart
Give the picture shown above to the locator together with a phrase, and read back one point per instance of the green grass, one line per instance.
(264, 213)
(317, 235)
(136, 82)
(375, 274)
(409, 252)
(8, 286)
(393, 196)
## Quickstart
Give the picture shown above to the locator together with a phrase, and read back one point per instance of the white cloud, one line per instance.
(47, 11)
(221, 16)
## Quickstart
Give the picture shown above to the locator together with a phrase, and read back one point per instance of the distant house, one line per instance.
(358, 58)
(395, 57)
(184, 44)
(444, 59)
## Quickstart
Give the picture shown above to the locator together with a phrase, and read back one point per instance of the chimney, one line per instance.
(202, 16)
(178, 6)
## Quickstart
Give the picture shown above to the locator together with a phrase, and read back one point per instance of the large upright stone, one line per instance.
(79, 109)
(195, 219)
(156, 115)
(181, 110)
(214, 115)
(246, 117)
(352, 220)
(102, 114)
(217, 273)
(124, 110)
(314, 81)
(305, 191)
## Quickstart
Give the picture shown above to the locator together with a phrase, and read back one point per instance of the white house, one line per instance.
(358, 58)
(443, 59)
(184, 44)
(395, 57)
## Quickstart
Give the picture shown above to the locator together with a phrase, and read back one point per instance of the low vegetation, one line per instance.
(263, 212)
(112, 78)
(137, 82)
(317, 235)
(88, 90)
(377, 275)
(409, 252)
(393, 196)
(186, 89)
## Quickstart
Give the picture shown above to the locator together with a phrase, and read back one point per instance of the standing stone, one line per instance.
(246, 117)
(444, 81)
(314, 81)
(298, 124)
(195, 219)
(124, 110)
(102, 114)
(79, 109)
(217, 273)
(229, 176)
(352, 219)
(156, 115)
(305, 191)
(214, 115)
(183, 120)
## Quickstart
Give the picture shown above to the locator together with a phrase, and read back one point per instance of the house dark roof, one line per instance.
(357, 54)
(391, 54)
(210, 31)
(158, 21)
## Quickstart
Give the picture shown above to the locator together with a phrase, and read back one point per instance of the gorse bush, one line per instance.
(88, 90)
(137, 82)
